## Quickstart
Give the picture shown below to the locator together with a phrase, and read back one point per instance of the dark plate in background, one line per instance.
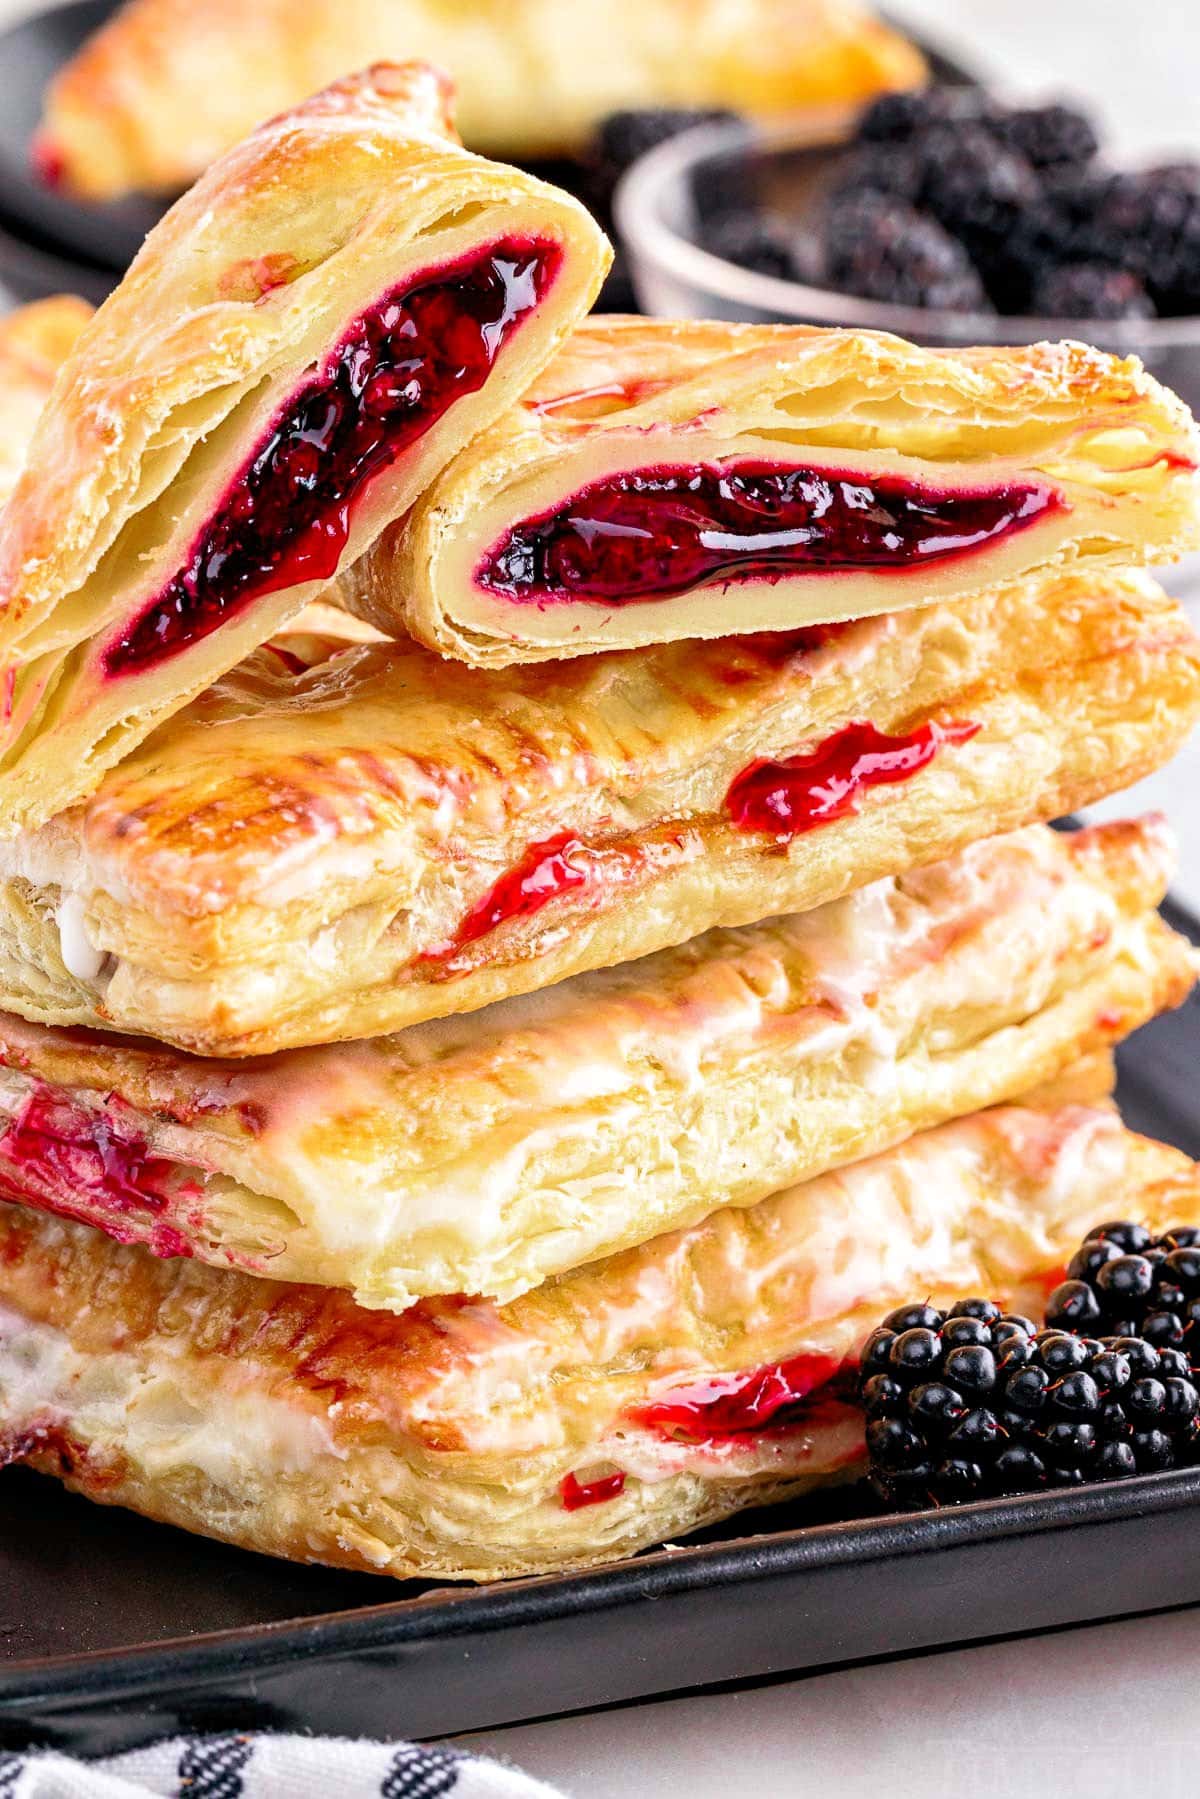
(101, 240)
(113, 1630)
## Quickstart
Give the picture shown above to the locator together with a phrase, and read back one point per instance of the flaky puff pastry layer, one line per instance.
(1111, 455)
(388, 837)
(487, 1153)
(34, 342)
(285, 1419)
(167, 85)
(160, 420)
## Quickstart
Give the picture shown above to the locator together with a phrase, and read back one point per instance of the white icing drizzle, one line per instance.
(80, 956)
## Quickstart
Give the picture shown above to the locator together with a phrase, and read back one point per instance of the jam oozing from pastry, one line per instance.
(649, 533)
(57, 1156)
(735, 1405)
(286, 516)
(576, 1493)
(787, 798)
(556, 865)
(546, 870)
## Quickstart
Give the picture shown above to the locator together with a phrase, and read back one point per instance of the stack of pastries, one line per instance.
(527, 917)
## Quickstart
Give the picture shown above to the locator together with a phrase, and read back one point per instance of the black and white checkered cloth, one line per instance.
(267, 1767)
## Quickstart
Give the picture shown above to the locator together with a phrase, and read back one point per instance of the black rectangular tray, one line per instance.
(113, 1630)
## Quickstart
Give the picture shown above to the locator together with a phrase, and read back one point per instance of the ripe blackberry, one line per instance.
(1048, 137)
(973, 1403)
(1050, 232)
(1148, 222)
(895, 117)
(624, 136)
(753, 240)
(882, 249)
(887, 168)
(1124, 1282)
(976, 188)
(1090, 290)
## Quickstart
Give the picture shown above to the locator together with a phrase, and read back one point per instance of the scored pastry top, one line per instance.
(332, 850)
(486, 1152)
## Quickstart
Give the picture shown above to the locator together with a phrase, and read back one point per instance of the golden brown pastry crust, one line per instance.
(250, 281)
(484, 1154)
(294, 859)
(34, 342)
(1117, 451)
(167, 85)
(285, 1419)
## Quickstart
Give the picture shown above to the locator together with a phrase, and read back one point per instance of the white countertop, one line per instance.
(1110, 1711)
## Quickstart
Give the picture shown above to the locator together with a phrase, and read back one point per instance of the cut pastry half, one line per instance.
(166, 85)
(667, 480)
(622, 1406)
(336, 308)
(34, 342)
(485, 1154)
(339, 850)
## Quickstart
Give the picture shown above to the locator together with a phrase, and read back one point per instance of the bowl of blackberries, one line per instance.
(946, 215)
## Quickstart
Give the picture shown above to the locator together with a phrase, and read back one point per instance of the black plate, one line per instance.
(113, 1630)
(103, 239)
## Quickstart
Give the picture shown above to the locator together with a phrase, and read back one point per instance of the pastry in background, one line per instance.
(667, 479)
(311, 853)
(487, 1153)
(167, 85)
(336, 308)
(34, 341)
(618, 1407)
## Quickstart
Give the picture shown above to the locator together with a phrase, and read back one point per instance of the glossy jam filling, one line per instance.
(79, 1164)
(547, 870)
(790, 797)
(557, 865)
(654, 532)
(737, 1405)
(576, 1493)
(286, 516)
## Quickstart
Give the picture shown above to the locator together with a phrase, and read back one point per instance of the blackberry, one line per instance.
(976, 188)
(1148, 223)
(1123, 1281)
(973, 1403)
(882, 249)
(886, 168)
(753, 240)
(894, 117)
(1051, 231)
(1048, 137)
(1090, 290)
(624, 136)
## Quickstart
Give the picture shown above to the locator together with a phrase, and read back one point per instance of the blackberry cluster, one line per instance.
(623, 137)
(974, 1403)
(755, 240)
(1125, 1282)
(885, 250)
(1045, 226)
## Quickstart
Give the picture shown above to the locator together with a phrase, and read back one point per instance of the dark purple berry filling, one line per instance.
(286, 516)
(653, 532)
